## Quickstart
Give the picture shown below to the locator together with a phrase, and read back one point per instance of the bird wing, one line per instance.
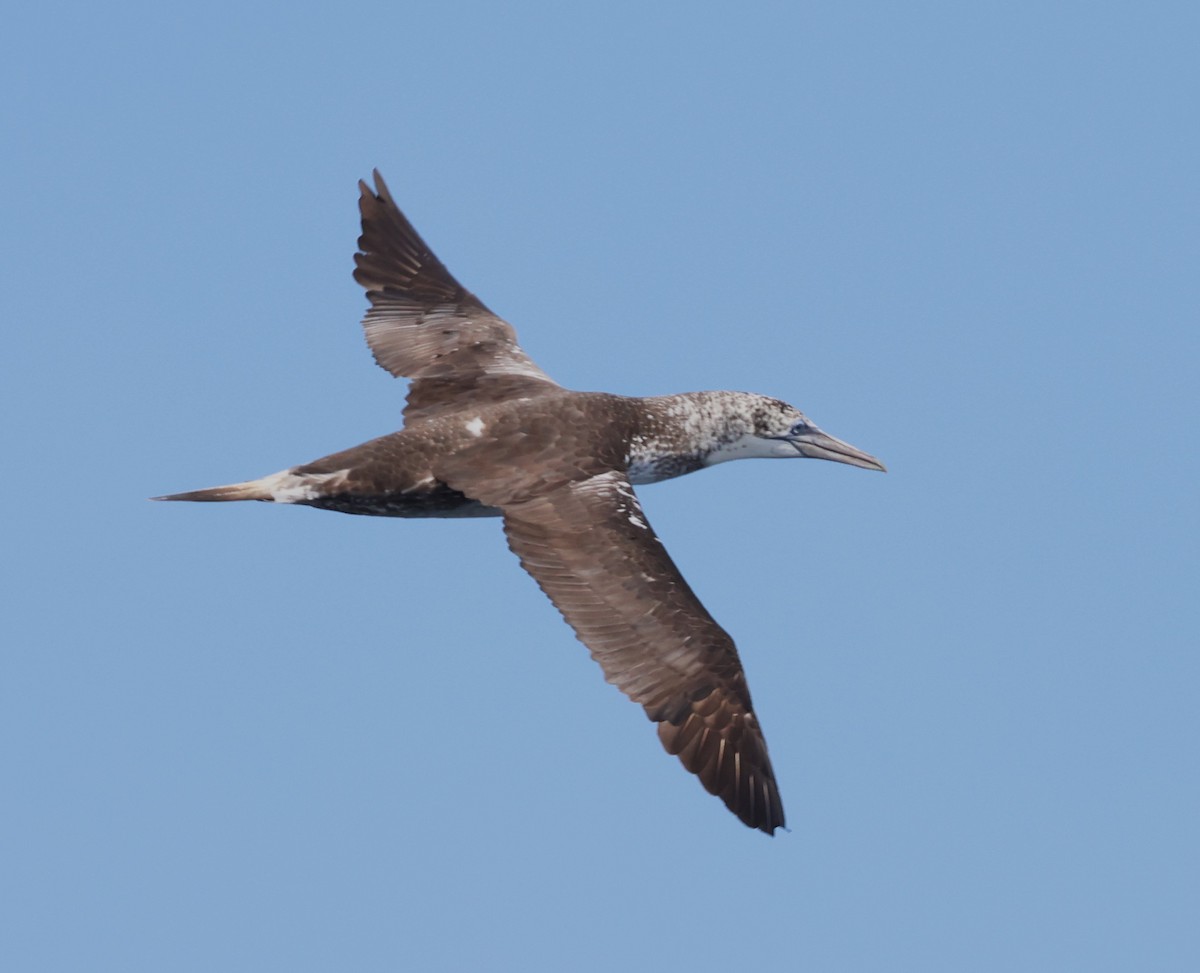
(424, 325)
(588, 545)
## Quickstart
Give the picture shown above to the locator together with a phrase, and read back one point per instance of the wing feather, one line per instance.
(424, 325)
(589, 547)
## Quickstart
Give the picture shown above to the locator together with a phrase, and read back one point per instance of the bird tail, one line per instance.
(250, 490)
(288, 486)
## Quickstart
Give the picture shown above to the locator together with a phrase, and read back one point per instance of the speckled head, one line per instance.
(699, 430)
(719, 426)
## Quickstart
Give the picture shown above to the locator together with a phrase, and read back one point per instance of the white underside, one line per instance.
(289, 487)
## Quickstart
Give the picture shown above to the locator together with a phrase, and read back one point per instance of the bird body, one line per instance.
(488, 434)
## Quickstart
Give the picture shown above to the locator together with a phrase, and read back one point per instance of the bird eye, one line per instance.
(799, 428)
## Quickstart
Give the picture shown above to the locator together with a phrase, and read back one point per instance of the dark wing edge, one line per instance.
(392, 255)
(424, 325)
(590, 549)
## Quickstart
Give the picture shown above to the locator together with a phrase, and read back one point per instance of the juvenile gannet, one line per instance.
(489, 434)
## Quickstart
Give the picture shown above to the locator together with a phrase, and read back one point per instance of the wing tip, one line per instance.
(731, 763)
(380, 193)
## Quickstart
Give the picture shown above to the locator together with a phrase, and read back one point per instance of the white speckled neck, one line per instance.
(682, 433)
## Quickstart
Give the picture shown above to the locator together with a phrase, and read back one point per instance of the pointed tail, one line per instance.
(287, 486)
(250, 490)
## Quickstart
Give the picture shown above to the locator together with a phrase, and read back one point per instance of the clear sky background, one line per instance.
(962, 236)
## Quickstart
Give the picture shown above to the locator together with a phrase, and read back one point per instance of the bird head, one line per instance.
(762, 427)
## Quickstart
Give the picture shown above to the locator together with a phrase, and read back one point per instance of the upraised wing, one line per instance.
(590, 548)
(424, 325)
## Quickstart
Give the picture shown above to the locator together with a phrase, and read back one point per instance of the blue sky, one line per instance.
(961, 236)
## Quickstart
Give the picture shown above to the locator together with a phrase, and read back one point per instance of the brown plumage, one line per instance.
(488, 433)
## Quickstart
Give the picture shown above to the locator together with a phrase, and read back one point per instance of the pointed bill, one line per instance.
(816, 444)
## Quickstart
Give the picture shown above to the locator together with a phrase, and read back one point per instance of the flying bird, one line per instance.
(487, 433)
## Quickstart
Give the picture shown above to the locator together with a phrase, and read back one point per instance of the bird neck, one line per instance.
(675, 434)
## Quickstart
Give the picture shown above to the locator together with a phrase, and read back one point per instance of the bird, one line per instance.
(487, 433)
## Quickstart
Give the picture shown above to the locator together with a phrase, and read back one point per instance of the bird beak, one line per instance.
(816, 444)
